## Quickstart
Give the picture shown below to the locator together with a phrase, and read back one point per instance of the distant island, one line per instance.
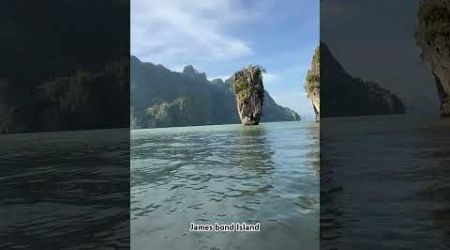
(344, 95)
(164, 98)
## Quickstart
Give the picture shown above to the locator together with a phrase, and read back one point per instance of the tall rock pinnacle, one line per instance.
(249, 92)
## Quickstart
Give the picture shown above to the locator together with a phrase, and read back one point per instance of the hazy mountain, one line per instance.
(163, 98)
(345, 95)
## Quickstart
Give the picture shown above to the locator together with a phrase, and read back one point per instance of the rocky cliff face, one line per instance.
(164, 98)
(56, 78)
(433, 36)
(312, 86)
(191, 72)
(249, 92)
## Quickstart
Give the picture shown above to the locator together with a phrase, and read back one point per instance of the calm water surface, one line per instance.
(65, 190)
(225, 174)
(385, 183)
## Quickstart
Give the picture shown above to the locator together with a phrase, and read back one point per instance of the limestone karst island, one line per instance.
(249, 92)
(164, 98)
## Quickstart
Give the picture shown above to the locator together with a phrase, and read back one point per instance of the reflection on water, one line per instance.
(65, 190)
(225, 174)
(385, 183)
(254, 152)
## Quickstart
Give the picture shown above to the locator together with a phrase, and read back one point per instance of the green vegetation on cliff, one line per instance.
(313, 75)
(243, 78)
(312, 85)
(64, 65)
(249, 91)
(163, 98)
(437, 19)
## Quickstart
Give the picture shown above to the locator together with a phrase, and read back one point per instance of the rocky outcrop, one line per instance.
(433, 36)
(312, 86)
(164, 98)
(249, 92)
(191, 72)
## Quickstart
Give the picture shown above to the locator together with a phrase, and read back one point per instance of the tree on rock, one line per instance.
(249, 92)
(312, 86)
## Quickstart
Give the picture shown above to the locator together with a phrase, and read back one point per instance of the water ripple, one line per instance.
(229, 173)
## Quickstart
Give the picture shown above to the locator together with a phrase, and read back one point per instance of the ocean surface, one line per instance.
(226, 174)
(65, 190)
(385, 183)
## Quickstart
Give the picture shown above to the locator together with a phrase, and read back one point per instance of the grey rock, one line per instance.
(249, 92)
(433, 36)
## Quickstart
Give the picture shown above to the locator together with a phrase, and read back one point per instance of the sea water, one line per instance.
(227, 175)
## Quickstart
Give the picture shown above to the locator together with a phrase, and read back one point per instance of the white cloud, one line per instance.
(270, 78)
(163, 30)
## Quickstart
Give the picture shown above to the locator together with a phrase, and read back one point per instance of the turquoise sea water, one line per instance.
(224, 174)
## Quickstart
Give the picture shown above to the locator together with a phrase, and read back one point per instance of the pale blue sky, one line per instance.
(221, 36)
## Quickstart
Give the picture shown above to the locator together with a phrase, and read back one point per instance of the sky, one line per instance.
(219, 37)
(375, 40)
